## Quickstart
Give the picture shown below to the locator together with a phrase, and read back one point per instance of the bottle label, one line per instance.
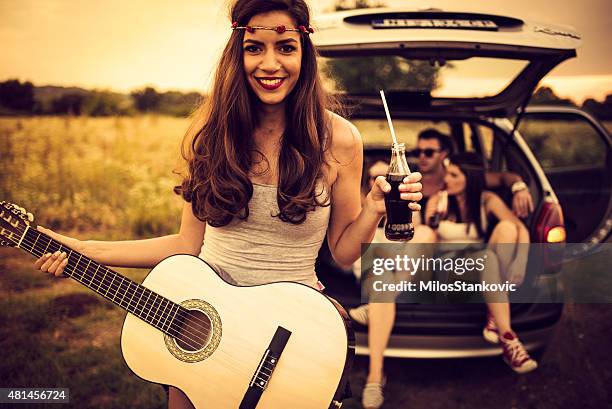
(399, 226)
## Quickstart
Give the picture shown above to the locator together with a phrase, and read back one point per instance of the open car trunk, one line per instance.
(392, 43)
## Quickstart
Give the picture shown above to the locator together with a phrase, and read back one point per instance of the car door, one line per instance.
(574, 150)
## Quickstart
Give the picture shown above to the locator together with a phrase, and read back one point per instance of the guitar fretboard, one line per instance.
(149, 306)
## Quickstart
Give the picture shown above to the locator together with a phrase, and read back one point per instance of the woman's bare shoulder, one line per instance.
(345, 135)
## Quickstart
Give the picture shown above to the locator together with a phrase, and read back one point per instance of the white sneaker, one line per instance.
(360, 314)
(372, 396)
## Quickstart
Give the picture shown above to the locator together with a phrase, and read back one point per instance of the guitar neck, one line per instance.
(138, 300)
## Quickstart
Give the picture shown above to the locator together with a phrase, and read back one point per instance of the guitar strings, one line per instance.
(180, 333)
(185, 314)
(195, 318)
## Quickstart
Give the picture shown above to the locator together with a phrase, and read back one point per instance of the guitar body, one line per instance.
(240, 323)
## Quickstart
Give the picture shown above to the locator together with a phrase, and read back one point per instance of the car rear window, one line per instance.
(474, 77)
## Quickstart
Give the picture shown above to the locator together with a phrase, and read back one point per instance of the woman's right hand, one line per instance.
(54, 263)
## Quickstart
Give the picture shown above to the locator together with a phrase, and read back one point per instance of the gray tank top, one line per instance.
(263, 249)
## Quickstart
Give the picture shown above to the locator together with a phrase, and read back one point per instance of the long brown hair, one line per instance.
(218, 146)
(472, 166)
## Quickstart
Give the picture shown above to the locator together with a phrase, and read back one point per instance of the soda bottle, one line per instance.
(441, 210)
(398, 226)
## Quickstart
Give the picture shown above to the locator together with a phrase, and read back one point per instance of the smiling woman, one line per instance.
(272, 60)
(281, 105)
(270, 170)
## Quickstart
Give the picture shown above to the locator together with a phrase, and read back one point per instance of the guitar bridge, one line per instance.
(266, 367)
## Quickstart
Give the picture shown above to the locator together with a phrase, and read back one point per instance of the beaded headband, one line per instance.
(279, 29)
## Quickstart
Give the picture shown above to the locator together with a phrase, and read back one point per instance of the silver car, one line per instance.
(425, 60)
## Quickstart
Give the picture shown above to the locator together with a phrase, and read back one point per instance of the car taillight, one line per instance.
(550, 227)
(556, 235)
(550, 230)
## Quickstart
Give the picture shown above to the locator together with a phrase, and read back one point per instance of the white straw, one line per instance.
(382, 95)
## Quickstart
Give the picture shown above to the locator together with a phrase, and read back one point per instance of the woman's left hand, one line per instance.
(410, 190)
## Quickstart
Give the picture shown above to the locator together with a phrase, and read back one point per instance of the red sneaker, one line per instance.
(515, 354)
(490, 332)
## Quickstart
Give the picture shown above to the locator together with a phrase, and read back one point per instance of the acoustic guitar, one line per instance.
(272, 346)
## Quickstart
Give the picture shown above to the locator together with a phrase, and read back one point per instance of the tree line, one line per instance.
(601, 109)
(24, 98)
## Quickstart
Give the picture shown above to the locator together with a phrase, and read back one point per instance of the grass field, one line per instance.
(56, 333)
(102, 178)
(111, 175)
(92, 178)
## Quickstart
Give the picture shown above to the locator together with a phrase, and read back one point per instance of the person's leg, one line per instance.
(505, 240)
(381, 319)
(381, 316)
(518, 266)
(497, 304)
(500, 311)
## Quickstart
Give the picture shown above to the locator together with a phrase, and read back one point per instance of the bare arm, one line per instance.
(346, 200)
(144, 253)
(351, 225)
(499, 179)
(522, 202)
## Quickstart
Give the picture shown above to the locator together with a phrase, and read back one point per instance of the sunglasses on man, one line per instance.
(428, 152)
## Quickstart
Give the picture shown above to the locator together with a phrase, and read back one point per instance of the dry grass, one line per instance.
(56, 333)
(86, 174)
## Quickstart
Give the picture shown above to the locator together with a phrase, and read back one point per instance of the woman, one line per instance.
(270, 170)
(465, 221)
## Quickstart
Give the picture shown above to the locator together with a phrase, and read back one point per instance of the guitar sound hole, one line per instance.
(195, 331)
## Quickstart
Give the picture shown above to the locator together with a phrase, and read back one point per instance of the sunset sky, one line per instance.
(122, 45)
